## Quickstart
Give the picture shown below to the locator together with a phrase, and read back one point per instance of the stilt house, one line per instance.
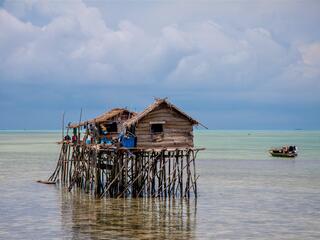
(162, 125)
(110, 121)
(124, 154)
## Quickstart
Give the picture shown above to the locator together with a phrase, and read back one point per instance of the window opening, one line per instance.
(156, 128)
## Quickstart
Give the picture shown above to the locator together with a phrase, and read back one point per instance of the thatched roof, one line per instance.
(152, 107)
(104, 117)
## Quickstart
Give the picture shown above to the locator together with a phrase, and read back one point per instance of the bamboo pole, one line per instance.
(194, 172)
(110, 184)
(181, 176)
(187, 191)
(120, 173)
(62, 130)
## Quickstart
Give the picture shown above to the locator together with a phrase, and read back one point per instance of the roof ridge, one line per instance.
(152, 106)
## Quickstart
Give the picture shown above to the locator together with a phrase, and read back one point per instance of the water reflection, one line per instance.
(86, 217)
(239, 198)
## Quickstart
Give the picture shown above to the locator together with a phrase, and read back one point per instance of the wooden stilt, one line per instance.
(122, 173)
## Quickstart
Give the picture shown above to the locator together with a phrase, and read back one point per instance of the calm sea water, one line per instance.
(243, 193)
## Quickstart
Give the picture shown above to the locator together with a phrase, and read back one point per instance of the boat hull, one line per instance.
(284, 155)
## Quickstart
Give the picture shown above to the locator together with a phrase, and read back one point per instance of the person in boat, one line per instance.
(292, 149)
(285, 149)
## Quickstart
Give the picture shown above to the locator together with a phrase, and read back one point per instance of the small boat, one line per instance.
(286, 151)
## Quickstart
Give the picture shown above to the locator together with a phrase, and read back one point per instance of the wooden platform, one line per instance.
(107, 171)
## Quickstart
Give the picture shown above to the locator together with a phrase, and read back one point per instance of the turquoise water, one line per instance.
(254, 145)
(243, 193)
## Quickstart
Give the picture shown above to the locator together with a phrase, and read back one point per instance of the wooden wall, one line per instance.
(177, 130)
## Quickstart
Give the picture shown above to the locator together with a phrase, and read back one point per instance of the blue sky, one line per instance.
(229, 64)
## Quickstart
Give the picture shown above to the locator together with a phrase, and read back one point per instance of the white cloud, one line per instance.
(75, 43)
(311, 60)
(201, 52)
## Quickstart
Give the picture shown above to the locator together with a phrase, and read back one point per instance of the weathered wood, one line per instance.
(46, 182)
(177, 129)
(194, 172)
(162, 164)
(110, 184)
(166, 127)
(123, 173)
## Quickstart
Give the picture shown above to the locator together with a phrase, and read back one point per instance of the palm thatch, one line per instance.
(107, 116)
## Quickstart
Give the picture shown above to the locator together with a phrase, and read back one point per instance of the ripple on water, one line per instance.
(241, 195)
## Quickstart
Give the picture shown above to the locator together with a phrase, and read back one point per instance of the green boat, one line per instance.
(286, 151)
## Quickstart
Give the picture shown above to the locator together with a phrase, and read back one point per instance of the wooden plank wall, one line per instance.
(177, 131)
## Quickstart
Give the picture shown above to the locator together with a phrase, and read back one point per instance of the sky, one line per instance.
(229, 64)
